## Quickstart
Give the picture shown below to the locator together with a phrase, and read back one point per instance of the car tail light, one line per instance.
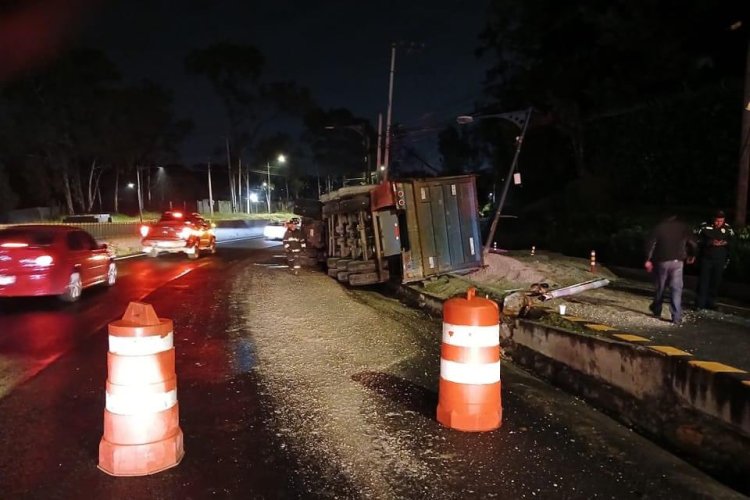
(144, 231)
(43, 261)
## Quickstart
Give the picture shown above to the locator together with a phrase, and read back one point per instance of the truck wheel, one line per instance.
(360, 266)
(360, 279)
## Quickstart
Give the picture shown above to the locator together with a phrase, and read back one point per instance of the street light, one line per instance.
(514, 117)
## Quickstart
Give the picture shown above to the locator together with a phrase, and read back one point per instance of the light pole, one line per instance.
(506, 185)
(281, 160)
(210, 190)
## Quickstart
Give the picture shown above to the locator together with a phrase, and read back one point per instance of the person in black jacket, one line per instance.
(671, 243)
(714, 245)
(294, 242)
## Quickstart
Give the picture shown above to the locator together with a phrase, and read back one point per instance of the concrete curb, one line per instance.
(698, 409)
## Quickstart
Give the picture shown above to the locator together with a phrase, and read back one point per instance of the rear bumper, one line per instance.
(29, 285)
(170, 246)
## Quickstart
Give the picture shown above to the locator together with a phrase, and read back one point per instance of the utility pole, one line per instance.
(743, 177)
(229, 170)
(140, 197)
(380, 149)
(210, 192)
(496, 218)
(239, 185)
(247, 189)
(268, 186)
(387, 153)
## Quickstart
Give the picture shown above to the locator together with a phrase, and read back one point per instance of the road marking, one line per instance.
(669, 350)
(715, 367)
(599, 328)
(630, 337)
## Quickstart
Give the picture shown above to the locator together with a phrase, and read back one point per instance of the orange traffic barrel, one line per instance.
(469, 392)
(142, 432)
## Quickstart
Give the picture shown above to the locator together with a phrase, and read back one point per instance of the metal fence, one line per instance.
(100, 230)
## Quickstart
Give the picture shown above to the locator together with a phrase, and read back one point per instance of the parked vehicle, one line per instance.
(409, 229)
(178, 232)
(275, 230)
(52, 260)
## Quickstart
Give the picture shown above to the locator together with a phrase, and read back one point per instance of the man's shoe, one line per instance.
(652, 308)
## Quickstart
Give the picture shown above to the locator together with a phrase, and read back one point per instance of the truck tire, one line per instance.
(343, 276)
(342, 264)
(362, 266)
(354, 204)
(330, 208)
(307, 261)
(360, 279)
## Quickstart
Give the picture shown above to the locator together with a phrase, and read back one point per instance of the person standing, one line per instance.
(670, 244)
(294, 242)
(714, 245)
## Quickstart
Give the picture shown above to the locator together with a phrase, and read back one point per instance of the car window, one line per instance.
(32, 238)
(89, 241)
(172, 217)
(79, 240)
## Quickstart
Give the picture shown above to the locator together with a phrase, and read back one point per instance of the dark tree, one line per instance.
(235, 72)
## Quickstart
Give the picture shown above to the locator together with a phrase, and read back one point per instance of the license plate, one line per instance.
(7, 280)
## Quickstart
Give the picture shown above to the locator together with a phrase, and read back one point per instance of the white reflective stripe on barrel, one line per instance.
(137, 404)
(140, 346)
(468, 373)
(471, 336)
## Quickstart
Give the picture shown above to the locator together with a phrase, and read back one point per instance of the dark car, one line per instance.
(52, 260)
(178, 232)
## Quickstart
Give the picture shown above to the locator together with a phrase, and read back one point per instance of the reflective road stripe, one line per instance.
(471, 336)
(140, 346)
(137, 404)
(465, 373)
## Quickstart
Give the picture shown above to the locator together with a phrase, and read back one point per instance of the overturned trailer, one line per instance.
(406, 230)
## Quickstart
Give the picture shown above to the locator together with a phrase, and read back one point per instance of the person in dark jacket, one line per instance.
(714, 245)
(671, 243)
(294, 242)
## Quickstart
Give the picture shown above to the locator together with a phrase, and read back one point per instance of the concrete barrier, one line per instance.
(698, 409)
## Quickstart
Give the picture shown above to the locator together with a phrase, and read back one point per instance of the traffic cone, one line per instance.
(469, 392)
(142, 434)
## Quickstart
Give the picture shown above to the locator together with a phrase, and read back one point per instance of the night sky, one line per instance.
(339, 49)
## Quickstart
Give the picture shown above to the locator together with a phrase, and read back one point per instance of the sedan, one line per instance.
(52, 260)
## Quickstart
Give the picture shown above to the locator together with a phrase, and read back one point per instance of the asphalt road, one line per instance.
(269, 366)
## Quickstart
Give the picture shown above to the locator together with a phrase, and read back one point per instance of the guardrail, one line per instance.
(105, 230)
(99, 230)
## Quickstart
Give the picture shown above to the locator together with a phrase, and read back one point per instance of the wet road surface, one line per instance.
(295, 387)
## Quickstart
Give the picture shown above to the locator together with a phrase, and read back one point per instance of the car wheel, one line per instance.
(73, 289)
(111, 274)
(195, 253)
